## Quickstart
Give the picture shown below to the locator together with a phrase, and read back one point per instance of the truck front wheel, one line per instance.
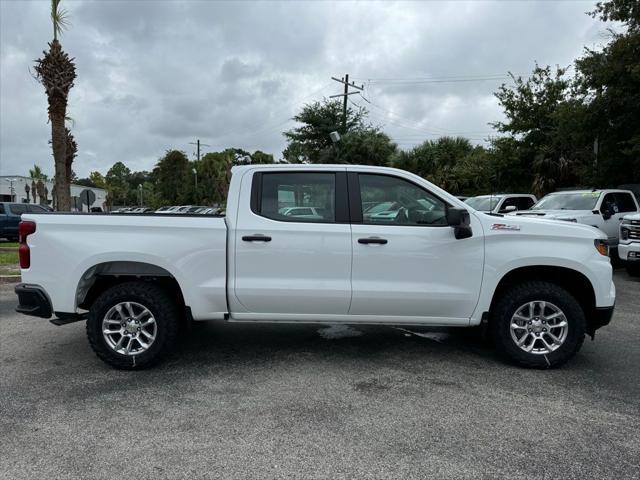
(132, 325)
(537, 324)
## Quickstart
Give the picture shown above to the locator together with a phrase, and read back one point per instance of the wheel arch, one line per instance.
(102, 276)
(575, 282)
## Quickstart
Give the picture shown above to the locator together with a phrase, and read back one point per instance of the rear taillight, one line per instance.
(25, 229)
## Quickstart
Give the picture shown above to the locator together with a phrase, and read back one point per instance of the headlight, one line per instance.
(601, 246)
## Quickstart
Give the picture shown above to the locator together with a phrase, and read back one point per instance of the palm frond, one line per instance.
(59, 18)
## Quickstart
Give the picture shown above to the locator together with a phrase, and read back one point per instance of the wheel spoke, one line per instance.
(144, 345)
(563, 323)
(120, 312)
(130, 313)
(119, 343)
(515, 326)
(113, 322)
(149, 321)
(111, 332)
(523, 339)
(148, 335)
(553, 316)
(555, 339)
(546, 344)
(128, 348)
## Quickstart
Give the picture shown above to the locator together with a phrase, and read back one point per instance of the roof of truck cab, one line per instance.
(596, 190)
(311, 166)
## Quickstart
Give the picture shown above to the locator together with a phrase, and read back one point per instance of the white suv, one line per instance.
(602, 209)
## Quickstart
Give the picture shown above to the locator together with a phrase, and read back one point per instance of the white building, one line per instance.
(13, 189)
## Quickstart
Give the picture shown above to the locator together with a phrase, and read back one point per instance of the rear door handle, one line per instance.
(256, 238)
(375, 240)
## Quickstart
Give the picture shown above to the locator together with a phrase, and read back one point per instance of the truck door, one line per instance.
(617, 205)
(406, 259)
(286, 260)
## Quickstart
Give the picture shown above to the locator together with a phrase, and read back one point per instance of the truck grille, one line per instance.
(634, 234)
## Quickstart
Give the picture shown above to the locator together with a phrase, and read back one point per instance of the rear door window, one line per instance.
(298, 197)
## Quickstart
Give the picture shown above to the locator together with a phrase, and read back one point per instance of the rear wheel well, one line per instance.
(571, 280)
(101, 277)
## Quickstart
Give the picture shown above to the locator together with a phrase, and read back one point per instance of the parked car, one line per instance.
(502, 203)
(10, 217)
(311, 213)
(537, 286)
(629, 246)
(172, 209)
(602, 209)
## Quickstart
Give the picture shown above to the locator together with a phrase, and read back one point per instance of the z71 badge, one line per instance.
(505, 226)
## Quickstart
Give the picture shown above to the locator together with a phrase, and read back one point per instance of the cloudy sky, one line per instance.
(157, 74)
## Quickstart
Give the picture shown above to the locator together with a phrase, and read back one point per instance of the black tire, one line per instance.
(157, 301)
(517, 296)
(633, 268)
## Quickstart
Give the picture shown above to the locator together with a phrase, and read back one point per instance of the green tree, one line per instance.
(173, 178)
(609, 80)
(57, 72)
(367, 146)
(117, 182)
(539, 112)
(310, 141)
(97, 179)
(447, 162)
(36, 173)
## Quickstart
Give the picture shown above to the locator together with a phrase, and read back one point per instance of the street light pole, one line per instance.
(140, 190)
(195, 195)
(11, 190)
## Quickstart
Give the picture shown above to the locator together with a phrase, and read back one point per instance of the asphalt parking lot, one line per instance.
(246, 401)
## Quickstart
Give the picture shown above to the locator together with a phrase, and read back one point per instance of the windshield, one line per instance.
(568, 201)
(483, 204)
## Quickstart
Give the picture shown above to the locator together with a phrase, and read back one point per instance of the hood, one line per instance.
(553, 214)
(541, 223)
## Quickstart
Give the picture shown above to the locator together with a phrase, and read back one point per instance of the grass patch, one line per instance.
(9, 258)
(9, 244)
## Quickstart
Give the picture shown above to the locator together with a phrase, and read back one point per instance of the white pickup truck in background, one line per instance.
(602, 209)
(629, 246)
(502, 203)
(538, 286)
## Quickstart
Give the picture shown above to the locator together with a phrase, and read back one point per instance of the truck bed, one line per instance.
(66, 247)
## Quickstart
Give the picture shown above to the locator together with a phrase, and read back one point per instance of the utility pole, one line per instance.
(197, 142)
(345, 80)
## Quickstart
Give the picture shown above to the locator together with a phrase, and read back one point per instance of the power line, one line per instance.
(345, 80)
(197, 142)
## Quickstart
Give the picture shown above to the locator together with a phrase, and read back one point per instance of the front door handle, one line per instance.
(374, 240)
(256, 238)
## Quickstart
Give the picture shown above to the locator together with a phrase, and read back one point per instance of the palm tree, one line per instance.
(56, 72)
(36, 173)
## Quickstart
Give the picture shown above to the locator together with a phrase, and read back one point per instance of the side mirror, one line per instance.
(509, 209)
(459, 219)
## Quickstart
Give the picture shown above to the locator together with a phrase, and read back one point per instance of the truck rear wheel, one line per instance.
(132, 325)
(537, 325)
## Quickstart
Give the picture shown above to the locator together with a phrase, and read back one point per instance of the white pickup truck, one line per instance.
(602, 209)
(538, 286)
(629, 247)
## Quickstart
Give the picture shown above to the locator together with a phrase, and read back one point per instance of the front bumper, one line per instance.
(601, 317)
(33, 300)
(629, 252)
